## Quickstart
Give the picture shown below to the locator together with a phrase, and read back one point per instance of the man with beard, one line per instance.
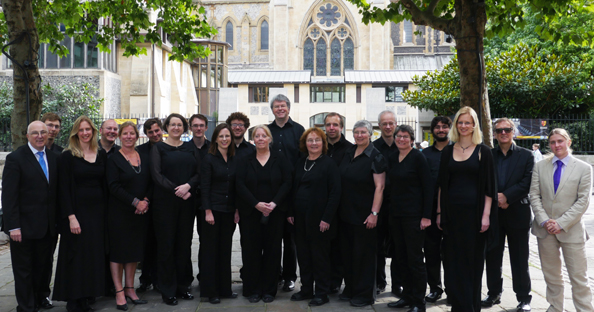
(54, 124)
(109, 134)
(440, 127)
(239, 123)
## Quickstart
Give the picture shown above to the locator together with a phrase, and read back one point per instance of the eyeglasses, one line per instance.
(37, 133)
(236, 125)
(501, 130)
(310, 141)
(464, 123)
(50, 126)
(385, 124)
(402, 137)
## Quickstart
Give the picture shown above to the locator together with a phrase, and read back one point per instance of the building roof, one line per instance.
(248, 76)
(381, 76)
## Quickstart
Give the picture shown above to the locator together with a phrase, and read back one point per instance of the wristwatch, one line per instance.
(374, 213)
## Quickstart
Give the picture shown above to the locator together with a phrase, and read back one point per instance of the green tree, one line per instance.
(520, 83)
(465, 20)
(26, 23)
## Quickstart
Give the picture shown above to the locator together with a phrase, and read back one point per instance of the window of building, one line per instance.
(328, 47)
(408, 32)
(264, 36)
(92, 54)
(394, 93)
(358, 93)
(258, 94)
(79, 55)
(229, 34)
(65, 60)
(320, 94)
(317, 120)
(296, 93)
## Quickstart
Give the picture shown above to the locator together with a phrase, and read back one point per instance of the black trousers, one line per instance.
(359, 251)
(199, 218)
(30, 260)
(289, 268)
(215, 266)
(174, 227)
(409, 240)
(336, 262)
(261, 252)
(149, 261)
(384, 239)
(517, 241)
(313, 254)
(49, 266)
(433, 237)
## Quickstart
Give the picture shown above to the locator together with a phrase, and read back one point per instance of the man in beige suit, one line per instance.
(559, 195)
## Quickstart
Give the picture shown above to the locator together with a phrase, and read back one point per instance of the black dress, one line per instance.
(127, 230)
(173, 217)
(80, 271)
(464, 185)
(316, 190)
(261, 238)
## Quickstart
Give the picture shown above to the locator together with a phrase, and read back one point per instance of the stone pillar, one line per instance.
(279, 33)
(245, 40)
(375, 100)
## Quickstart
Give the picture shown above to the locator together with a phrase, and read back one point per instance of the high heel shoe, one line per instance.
(137, 301)
(121, 307)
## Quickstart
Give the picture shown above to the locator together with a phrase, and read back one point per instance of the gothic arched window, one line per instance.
(335, 57)
(308, 55)
(349, 54)
(321, 58)
(264, 36)
(229, 34)
(408, 32)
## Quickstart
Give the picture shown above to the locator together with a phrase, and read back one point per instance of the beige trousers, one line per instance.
(576, 263)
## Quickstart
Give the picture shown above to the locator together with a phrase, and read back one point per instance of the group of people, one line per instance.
(339, 209)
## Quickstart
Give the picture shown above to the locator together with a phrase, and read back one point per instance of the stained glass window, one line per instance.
(321, 58)
(329, 15)
(349, 54)
(335, 57)
(229, 34)
(264, 36)
(308, 55)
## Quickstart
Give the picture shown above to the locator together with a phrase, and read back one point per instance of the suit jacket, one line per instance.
(28, 199)
(516, 188)
(567, 205)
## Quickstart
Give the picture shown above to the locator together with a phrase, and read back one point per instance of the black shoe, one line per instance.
(254, 298)
(380, 289)
(135, 301)
(301, 296)
(122, 307)
(46, 303)
(185, 295)
(344, 297)
(334, 290)
(144, 287)
(318, 301)
(233, 295)
(289, 285)
(524, 307)
(268, 298)
(397, 291)
(491, 300)
(357, 303)
(214, 300)
(400, 304)
(433, 296)
(417, 309)
(170, 301)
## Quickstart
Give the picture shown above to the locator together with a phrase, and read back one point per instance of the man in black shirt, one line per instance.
(285, 139)
(153, 129)
(199, 125)
(337, 147)
(385, 144)
(514, 166)
(109, 134)
(440, 128)
(239, 123)
(54, 124)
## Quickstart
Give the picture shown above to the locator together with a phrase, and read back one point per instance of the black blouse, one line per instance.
(358, 186)
(172, 166)
(337, 150)
(217, 183)
(411, 188)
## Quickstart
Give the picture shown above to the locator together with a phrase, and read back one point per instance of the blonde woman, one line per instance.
(80, 272)
(465, 210)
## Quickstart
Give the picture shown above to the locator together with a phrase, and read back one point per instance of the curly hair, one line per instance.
(320, 133)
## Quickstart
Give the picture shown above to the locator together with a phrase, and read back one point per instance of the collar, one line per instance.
(383, 142)
(205, 145)
(512, 149)
(289, 122)
(339, 142)
(435, 147)
(112, 147)
(368, 150)
(243, 143)
(565, 159)
(34, 150)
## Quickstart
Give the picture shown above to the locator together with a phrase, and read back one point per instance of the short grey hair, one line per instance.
(505, 119)
(364, 124)
(280, 98)
(387, 111)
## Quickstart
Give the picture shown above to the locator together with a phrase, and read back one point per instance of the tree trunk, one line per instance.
(24, 52)
(471, 19)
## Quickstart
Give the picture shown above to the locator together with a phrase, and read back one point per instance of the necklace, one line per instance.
(305, 165)
(464, 148)
(134, 168)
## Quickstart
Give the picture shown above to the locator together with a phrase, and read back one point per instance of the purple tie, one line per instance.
(557, 175)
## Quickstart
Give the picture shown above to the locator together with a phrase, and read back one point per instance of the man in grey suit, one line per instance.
(559, 195)
(29, 186)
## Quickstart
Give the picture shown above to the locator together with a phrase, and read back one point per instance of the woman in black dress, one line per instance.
(80, 272)
(217, 184)
(363, 175)
(129, 181)
(465, 210)
(263, 185)
(316, 191)
(411, 198)
(174, 169)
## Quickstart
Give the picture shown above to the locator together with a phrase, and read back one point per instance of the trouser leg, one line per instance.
(517, 241)
(550, 260)
(494, 265)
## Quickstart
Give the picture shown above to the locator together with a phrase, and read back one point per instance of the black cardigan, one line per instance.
(487, 187)
(246, 182)
(217, 183)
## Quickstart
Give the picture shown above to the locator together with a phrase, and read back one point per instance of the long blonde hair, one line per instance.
(74, 141)
(477, 134)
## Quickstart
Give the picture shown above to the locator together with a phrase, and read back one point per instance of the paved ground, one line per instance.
(282, 302)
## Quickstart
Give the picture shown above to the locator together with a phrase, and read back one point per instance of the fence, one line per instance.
(580, 128)
(68, 121)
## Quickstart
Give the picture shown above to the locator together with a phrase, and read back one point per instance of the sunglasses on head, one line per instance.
(500, 130)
